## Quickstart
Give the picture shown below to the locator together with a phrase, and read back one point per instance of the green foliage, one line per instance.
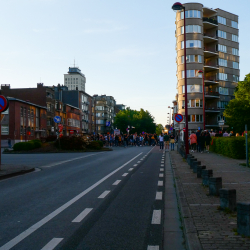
(142, 121)
(29, 145)
(159, 129)
(237, 110)
(233, 147)
(94, 145)
(49, 138)
(71, 143)
(100, 143)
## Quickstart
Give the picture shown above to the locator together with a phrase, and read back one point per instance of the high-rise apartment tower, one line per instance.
(75, 79)
(212, 45)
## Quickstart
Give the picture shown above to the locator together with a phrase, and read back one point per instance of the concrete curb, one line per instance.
(6, 176)
(190, 232)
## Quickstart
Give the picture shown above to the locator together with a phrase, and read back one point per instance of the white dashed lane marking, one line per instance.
(82, 215)
(161, 175)
(153, 248)
(158, 196)
(104, 194)
(125, 174)
(116, 182)
(156, 218)
(130, 169)
(160, 183)
(161, 169)
(52, 244)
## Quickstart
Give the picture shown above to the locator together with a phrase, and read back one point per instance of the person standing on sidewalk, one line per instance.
(161, 141)
(193, 141)
(172, 142)
(208, 140)
(202, 142)
(198, 133)
(166, 141)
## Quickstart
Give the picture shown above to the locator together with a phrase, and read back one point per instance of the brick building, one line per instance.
(21, 117)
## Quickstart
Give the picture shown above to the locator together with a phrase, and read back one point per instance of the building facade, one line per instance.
(104, 113)
(23, 121)
(212, 46)
(75, 79)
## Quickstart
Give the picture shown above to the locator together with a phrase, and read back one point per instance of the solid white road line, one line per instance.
(116, 182)
(130, 169)
(160, 183)
(62, 162)
(153, 248)
(158, 196)
(104, 194)
(52, 244)
(82, 215)
(156, 218)
(161, 175)
(125, 174)
(161, 169)
(40, 223)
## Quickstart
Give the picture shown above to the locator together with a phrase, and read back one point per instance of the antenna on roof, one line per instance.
(74, 63)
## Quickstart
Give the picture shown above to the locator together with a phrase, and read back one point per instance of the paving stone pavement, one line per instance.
(205, 226)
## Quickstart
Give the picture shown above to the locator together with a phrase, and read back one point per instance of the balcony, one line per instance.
(210, 66)
(212, 94)
(209, 52)
(211, 79)
(208, 38)
(211, 109)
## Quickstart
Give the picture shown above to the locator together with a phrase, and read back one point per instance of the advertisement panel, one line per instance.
(116, 131)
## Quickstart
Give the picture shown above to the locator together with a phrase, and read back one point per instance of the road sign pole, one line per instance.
(247, 161)
(0, 143)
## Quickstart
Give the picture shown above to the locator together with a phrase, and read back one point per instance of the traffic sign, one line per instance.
(107, 124)
(184, 129)
(57, 119)
(4, 104)
(60, 126)
(178, 118)
(171, 128)
(71, 132)
(28, 132)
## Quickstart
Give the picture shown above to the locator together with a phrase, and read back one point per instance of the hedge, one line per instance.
(233, 147)
(71, 143)
(29, 145)
(95, 145)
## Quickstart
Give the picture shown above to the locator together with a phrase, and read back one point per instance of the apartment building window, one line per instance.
(195, 118)
(4, 130)
(223, 91)
(222, 48)
(192, 58)
(192, 88)
(222, 62)
(191, 44)
(222, 34)
(235, 51)
(223, 76)
(21, 111)
(191, 14)
(21, 130)
(234, 24)
(191, 29)
(222, 104)
(193, 103)
(235, 65)
(221, 117)
(222, 20)
(235, 78)
(235, 38)
(190, 73)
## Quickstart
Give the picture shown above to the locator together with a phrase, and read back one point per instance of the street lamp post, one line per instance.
(203, 83)
(170, 114)
(179, 7)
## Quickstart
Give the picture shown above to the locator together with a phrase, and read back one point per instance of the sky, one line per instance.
(126, 49)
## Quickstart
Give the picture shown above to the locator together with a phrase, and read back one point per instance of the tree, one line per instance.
(159, 129)
(142, 121)
(237, 111)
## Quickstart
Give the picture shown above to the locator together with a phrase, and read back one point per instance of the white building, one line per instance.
(75, 80)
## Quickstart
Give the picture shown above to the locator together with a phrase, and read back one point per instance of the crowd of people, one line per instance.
(136, 140)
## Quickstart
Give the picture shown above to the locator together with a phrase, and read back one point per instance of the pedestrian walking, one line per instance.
(166, 141)
(161, 141)
(193, 141)
(172, 142)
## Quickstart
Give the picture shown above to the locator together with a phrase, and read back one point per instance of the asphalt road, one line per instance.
(86, 201)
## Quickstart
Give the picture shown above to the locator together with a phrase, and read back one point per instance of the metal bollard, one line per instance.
(215, 184)
(205, 175)
(191, 162)
(243, 218)
(195, 165)
(199, 169)
(228, 198)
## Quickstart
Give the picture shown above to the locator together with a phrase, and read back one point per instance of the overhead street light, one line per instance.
(177, 7)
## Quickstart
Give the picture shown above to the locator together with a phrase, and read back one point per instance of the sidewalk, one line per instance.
(7, 171)
(205, 226)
